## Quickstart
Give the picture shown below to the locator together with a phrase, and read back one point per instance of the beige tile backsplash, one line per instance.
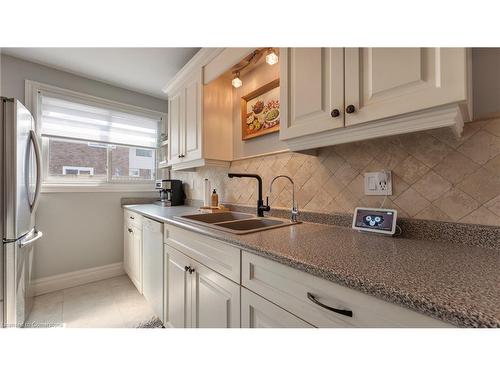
(435, 176)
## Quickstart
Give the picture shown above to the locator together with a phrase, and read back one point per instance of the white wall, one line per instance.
(81, 230)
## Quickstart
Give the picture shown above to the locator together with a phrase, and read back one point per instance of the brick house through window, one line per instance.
(67, 157)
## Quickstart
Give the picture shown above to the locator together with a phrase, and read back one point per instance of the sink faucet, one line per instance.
(295, 209)
(260, 203)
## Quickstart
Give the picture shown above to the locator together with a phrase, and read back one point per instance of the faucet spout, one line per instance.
(294, 210)
(260, 203)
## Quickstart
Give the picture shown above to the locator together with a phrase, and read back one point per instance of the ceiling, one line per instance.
(144, 70)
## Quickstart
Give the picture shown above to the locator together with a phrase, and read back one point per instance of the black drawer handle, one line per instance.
(338, 311)
(132, 217)
(130, 230)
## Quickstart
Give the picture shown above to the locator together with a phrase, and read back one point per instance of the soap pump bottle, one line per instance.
(215, 199)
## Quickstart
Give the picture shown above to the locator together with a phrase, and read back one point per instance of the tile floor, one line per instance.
(111, 303)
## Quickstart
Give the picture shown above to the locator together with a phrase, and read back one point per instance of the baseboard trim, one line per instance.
(71, 279)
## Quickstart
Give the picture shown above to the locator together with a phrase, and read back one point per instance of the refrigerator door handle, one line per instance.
(38, 159)
(37, 236)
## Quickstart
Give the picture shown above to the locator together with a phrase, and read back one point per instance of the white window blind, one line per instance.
(66, 118)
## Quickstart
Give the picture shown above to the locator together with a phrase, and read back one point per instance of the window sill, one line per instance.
(51, 187)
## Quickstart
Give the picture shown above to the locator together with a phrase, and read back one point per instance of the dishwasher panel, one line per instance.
(152, 265)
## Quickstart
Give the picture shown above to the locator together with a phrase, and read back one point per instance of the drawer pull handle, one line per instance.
(189, 269)
(338, 311)
(130, 230)
(132, 217)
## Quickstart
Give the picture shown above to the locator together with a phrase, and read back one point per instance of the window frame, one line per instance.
(90, 184)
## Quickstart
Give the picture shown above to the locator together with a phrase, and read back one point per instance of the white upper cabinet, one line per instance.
(312, 95)
(386, 91)
(193, 114)
(189, 132)
(175, 127)
(385, 82)
(185, 116)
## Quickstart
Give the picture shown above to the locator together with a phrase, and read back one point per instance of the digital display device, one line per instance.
(377, 220)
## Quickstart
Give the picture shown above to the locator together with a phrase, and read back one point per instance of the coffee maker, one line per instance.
(171, 192)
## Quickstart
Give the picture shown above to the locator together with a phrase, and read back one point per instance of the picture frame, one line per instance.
(260, 111)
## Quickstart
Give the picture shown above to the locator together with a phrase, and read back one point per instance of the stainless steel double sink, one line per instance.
(236, 222)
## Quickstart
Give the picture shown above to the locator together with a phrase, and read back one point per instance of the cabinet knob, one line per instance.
(186, 268)
(350, 108)
(130, 230)
(191, 270)
(335, 113)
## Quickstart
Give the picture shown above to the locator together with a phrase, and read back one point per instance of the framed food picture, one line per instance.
(260, 111)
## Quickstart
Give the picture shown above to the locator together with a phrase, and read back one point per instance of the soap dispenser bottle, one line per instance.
(214, 199)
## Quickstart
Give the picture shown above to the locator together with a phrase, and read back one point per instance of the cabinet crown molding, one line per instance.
(201, 58)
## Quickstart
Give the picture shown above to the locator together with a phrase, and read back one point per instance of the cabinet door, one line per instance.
(135, 258)
(312, 87)
(257, 312)
(175, 126)
(385, 82)
(192, 141)
(178, 286)
(127, 247)
(215, 300)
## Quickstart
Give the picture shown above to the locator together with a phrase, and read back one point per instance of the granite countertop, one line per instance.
(456, 283)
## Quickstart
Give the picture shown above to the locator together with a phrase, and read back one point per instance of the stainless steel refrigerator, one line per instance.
(20, 172)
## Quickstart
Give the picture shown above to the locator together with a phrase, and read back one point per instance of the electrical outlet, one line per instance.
(378, 183)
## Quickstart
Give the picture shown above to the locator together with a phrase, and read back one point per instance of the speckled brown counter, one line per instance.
(457, 283)
(466, 234)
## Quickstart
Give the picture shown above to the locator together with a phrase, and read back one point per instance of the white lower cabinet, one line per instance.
(178, 287)
(323, 303)
(215, 300)
(212, 284)
(257, 312)
(132, 249)
(198, 297)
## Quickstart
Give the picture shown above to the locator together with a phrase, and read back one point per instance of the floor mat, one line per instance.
(154, 322)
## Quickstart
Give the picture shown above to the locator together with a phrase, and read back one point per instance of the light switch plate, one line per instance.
(378, 183)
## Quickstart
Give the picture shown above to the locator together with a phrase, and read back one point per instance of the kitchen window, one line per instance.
(91, 144)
